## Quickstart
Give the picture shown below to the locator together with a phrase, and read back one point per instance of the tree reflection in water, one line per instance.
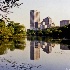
(12, 45)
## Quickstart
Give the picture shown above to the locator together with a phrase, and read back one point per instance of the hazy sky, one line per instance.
(56, 9)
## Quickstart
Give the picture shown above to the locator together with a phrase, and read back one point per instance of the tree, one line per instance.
(5, 5)
(16, 28)
(11, 27)
(3, 29)
(19, 29)
(11, 30)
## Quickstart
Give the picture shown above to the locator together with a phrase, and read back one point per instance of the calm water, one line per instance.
(34, 55)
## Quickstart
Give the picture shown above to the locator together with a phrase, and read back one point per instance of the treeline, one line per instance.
(55, 32)
(11, 30)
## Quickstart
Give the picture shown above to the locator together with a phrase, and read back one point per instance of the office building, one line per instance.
(34, 19)
(47, 23)
(64, 22)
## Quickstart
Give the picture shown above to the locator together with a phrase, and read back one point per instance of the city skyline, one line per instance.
(56, 9)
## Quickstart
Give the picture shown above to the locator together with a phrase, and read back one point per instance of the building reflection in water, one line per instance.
(64, 47)
(35, 48)
(47, 46)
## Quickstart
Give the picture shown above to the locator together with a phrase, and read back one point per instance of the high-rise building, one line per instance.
(47, 23)
(64, 22)
(34, 19)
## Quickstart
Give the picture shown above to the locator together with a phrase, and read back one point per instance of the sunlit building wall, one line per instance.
(34, 19)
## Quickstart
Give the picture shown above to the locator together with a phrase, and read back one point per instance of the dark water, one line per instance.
(25, 54)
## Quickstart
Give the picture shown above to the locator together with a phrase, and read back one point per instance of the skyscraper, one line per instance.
(34, 19)
(47, 23)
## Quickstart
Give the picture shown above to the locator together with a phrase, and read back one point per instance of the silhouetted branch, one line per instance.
(5, 5)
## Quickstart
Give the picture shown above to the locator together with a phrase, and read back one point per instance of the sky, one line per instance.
(56, 9)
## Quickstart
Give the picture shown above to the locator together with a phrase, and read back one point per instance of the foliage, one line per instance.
(6, 5)
(11, 30)
(55, 32)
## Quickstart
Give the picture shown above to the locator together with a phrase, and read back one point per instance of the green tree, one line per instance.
(19, 30)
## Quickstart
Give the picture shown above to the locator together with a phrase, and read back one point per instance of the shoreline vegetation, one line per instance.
(14, 31)
(54, 32)
(12, 36)
(11, 30)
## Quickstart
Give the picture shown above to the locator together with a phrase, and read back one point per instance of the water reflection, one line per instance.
(46, 46)
(42, 54)
(34, 50)
(64, 47)
(11, 45)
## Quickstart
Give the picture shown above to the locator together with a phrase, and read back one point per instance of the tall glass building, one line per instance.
(34, 19)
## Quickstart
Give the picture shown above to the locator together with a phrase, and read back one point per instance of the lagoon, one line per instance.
(34, 55)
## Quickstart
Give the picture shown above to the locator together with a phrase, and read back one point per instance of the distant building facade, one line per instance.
(47, 23)
(34, 19)
(64, 22)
